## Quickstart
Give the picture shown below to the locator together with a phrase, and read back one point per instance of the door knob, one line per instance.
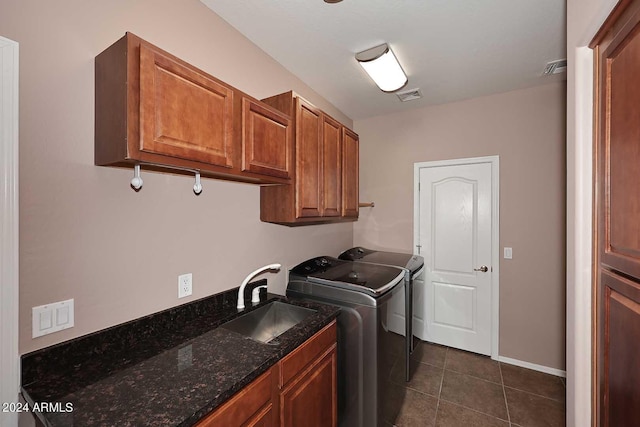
(484, 269)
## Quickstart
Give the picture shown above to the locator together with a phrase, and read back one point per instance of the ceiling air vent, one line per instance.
(409, 95)
(555, 67)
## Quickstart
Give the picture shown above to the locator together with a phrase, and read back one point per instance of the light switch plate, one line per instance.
(508, 253)
(53, 317)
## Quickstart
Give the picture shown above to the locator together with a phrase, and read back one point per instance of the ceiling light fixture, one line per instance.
(383, 67)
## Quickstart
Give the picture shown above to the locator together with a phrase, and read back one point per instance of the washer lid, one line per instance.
(411, 262)
(372, 279)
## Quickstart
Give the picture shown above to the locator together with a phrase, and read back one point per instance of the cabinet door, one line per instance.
(308, 160)
(183, 113)
(266, 140)
(311, 399)
(617, 154)
(619, 368)
(331, 167)
(251, 406)
(350, 173)
(620, 150)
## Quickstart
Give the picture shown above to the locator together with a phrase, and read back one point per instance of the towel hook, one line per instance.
(197, 187)
(136, 181)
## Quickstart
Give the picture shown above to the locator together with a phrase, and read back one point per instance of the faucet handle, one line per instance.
(255, 294)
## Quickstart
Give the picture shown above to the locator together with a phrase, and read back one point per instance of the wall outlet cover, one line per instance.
(185, 285)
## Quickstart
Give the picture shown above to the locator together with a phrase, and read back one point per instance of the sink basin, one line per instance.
(269, 321)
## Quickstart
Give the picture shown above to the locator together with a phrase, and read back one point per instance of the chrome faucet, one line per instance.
(251, 275)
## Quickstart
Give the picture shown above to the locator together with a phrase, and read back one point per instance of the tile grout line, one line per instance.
(476, 377)
(473, 377)
(444, 365)
(474, 410)
(534, 394)
(504, 393)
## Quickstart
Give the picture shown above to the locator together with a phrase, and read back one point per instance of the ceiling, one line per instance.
(450, 49)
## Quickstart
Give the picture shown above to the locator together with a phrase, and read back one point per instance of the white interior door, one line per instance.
(457, 236)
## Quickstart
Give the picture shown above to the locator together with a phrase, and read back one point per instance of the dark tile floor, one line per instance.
(453, 388)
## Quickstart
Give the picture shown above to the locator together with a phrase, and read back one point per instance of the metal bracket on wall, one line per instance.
(367, 204)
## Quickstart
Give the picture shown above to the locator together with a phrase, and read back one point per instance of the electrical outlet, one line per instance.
(185, 285)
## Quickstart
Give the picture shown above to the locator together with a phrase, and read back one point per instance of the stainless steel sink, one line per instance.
(269, 321)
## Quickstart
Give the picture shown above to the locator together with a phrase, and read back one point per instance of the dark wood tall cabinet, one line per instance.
(617, 209)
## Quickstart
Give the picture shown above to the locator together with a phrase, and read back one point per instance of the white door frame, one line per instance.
(495, 231)
(9, 355)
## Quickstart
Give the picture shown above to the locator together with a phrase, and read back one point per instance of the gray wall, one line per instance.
(526, 128)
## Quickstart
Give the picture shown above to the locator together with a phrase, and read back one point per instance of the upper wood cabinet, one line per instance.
(154, 108)
(266, 140)
(324, 185)
(350, 163)
(183, 112)
(332, 166)
(308, 126)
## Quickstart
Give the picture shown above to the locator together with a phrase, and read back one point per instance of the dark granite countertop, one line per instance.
(168, 369)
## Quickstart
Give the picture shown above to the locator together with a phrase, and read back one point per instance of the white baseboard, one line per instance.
(533, 366)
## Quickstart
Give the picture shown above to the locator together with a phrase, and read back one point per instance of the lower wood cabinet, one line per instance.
(310, 400)
(300, 390)
(251, 406)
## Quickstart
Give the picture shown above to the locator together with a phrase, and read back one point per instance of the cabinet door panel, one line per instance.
(331, 167)
(266, 140)
(184, 113)
(251, 404)
(310, 401)
(621, 62)
(262, 419)
(620, 371)
(308, 160)
(350, 174)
